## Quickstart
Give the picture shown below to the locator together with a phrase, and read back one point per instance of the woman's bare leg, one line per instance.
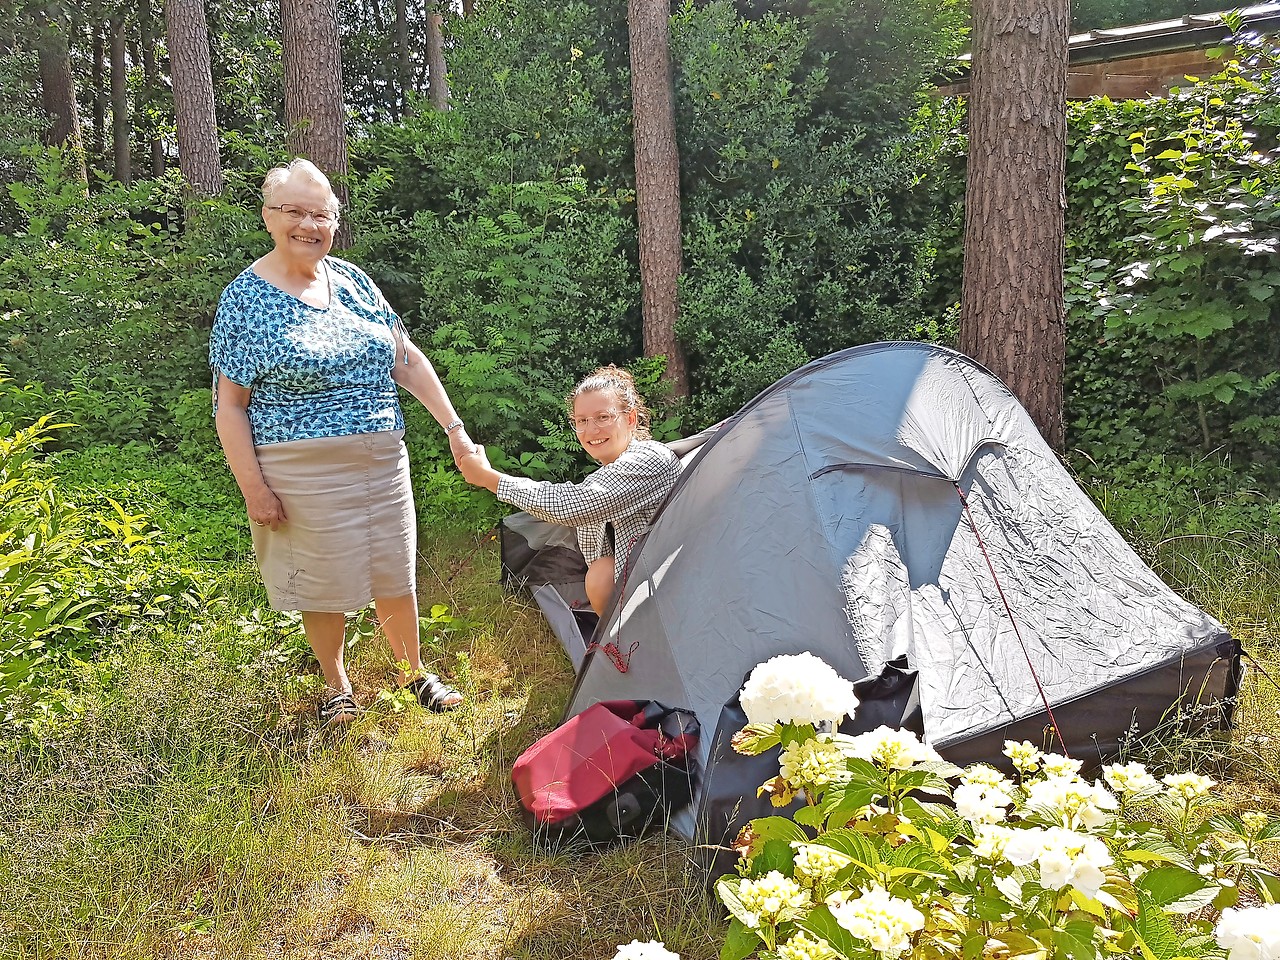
(327, 632)
(600, 583)
(398, 617)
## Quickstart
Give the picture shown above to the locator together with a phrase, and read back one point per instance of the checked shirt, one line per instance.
(610, 508)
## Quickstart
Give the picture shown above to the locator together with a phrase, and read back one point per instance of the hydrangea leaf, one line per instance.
(740, 942)
(1177, 889)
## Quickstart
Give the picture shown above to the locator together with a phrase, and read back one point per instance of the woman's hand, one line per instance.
(477, 472)
(265, 508)
(460, 445)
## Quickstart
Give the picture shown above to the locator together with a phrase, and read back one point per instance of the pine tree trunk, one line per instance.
(468, 8)
(58, 91)
(404, 75)
(120, 101)
(437, 69)
(150, 80)
(193, 104)
(314, 109)
(1012, 316)
(99, 91)
(657, 184)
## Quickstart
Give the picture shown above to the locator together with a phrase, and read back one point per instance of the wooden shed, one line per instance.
(1146, 59)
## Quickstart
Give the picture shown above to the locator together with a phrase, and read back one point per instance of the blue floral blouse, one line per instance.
(314, 371)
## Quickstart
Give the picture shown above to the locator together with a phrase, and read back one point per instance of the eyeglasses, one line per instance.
(322, 218)
(604, 420)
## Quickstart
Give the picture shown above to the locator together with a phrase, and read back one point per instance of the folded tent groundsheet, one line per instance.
(892, 509)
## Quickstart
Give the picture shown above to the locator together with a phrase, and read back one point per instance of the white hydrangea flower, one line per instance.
(1024, 846)
(981, 804)
(1074, 804)
(891, 749)
(645, 950)
(1025, 755)
(817, 762)
(883, 921)
(816, 864)
(1071, 859)
(1130, 780)
(989, 841)
(772, 898)
(1188, 786)
(803, 947)
(798, 688)
(1250, 933)
(1056, 765)
(982, 775)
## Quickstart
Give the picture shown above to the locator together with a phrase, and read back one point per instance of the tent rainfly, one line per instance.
(892, 509)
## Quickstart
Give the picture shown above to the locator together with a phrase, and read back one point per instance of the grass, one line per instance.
(194, 808)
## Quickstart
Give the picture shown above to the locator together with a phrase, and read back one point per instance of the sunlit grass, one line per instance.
(196, 809)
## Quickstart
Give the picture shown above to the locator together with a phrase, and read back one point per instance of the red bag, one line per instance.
(608, 772)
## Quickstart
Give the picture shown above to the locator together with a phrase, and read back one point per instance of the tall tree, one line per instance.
(1012, 316)
(150, 84)
(58, 86)
(657, 184)
(98, 77)
(193, 104)
(314, 108)
(404, 68)
(437, 69)
(120, 99)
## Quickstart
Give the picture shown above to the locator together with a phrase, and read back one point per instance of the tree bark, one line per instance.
(120, 101)
(313, 103)
(468, 8)
(404, 76)
(313, 100)
(151, 84)
(1012, 315)
(437, 69)
(99, 74)
(194, 111)
(58, 91)
(657, 184)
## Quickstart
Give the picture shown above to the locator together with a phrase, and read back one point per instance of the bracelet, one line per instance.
(450, 427)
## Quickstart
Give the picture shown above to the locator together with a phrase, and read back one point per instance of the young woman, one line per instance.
(614, 505)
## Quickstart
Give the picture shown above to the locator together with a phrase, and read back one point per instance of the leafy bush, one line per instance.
(888, 857)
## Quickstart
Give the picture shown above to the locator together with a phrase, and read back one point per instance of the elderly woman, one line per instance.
(306, 354)
(612, 507)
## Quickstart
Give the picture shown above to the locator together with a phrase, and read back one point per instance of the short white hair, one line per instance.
(300, 167)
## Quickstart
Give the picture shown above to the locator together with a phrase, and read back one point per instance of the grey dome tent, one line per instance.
(892, 509)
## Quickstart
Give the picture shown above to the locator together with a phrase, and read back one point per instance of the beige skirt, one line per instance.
(350, 532)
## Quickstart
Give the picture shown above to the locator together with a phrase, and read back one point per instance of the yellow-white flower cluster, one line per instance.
(1188, 786)
(982, 775)
(891, 749)
(1131, 780)
(883, 921)
(1025, 756)
(814, 763)
(1065, 858)
(798, 689)
(803, 947)
(979, 803)
(1070, 802)
(989, 841)
(1056, 765)
(816, 864)
(1251, 933)
(645, 950)
(772, 898)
